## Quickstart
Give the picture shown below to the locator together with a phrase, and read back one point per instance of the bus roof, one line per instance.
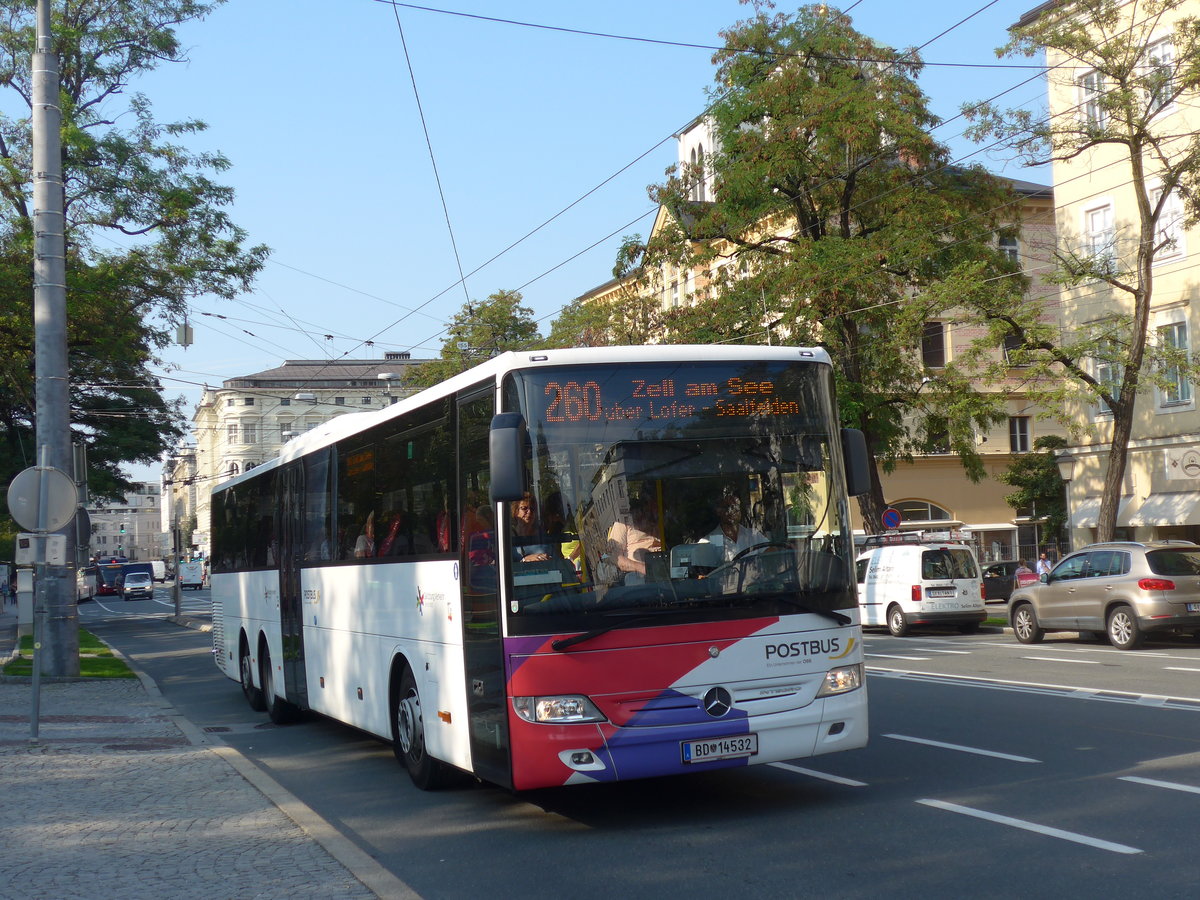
(490, 371)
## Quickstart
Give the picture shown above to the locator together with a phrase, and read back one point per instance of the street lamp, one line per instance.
(1066, 470)
(388, 379)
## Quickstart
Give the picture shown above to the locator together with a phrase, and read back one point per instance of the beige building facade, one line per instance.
(1098, 217)
(248, 419)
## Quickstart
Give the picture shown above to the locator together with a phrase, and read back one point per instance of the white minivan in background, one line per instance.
(912, 581)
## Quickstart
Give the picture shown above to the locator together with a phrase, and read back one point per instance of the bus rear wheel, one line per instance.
(408, 736)
(253, 695)
(279, 711)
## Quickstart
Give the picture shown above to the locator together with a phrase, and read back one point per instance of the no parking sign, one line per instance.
(891, 518)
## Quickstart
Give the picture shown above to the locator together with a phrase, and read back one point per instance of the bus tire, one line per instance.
(253, 695)
(897, 622)
(408, 735)
(279, 711)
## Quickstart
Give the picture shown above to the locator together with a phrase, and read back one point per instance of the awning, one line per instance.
(1176, 508)
(1086, 514)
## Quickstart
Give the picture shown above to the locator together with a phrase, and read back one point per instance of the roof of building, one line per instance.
(318, 373)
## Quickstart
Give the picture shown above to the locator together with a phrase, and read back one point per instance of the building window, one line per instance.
(366, 401)
(1169, 242)
(339, 401)
(1012, 351)
(1018, 434)
(920, 511)
(1091, 94)
(1173, 339)
(229, 401)
(1160, 75)
(1108, 373)
(933, 345)
(1011, 248)
(231, 434)
(249, 434)
(247, 401)
(286, 401)
(937, 435)
(1099, 238)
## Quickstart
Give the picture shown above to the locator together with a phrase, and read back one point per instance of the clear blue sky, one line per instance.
(312, 102)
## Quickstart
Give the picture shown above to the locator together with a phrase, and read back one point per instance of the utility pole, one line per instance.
(60, 652)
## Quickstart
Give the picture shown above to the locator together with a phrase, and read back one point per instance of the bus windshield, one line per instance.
(666, 492)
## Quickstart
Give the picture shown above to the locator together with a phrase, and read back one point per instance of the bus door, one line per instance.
(290, 532)
(483, 649)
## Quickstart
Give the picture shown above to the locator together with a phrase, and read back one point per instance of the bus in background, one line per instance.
(104, 576)
(561, 566)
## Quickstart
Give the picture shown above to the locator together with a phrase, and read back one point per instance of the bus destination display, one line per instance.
(626, 399)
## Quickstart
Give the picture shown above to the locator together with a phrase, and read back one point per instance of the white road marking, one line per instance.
(1169, 785)
(891, 656)
(938, 650)
(1031, 826)
(1078, 662)
(1179, 669)
(825, 776)
(961, 748)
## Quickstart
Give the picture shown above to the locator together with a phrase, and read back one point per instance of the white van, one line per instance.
(932, 583)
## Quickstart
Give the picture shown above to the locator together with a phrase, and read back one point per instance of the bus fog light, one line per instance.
(566, 710)
(841, 680)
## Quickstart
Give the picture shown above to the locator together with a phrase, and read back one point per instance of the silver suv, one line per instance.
(1122, 589)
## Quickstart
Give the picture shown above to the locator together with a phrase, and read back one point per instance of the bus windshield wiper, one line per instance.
(564, 643)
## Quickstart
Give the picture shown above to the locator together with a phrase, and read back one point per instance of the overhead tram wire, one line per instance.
(432, 158)
(688, 45)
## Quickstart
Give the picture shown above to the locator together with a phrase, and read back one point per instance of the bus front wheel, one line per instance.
(408, 736)
(253, 695)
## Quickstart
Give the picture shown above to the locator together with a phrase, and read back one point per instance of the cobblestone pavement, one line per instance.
(119, 797)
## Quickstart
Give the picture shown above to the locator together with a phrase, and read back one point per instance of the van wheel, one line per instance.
(246, 670)
(1124, 633)
(897, 621)
(1025, 625)
(408, 736)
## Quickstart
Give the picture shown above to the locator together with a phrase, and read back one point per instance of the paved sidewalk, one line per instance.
(121, 797)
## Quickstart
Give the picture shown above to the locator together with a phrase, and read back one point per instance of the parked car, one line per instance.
(910, 582)
(999, 580)
(137, 585)
(1122, 589)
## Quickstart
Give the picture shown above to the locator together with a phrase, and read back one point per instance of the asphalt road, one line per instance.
(995, 769)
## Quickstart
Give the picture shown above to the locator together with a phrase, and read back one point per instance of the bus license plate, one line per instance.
(719, 748)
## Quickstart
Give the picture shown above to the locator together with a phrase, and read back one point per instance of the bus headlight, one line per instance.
(842, 679)
(567, 710)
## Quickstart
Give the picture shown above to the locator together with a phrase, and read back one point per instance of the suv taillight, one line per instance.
(916, 593)
(1156, 584)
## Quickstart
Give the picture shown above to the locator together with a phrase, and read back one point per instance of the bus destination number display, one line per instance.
(573, 401)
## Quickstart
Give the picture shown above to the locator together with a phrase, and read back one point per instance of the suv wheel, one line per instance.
(1025, 625)
(1124, 633)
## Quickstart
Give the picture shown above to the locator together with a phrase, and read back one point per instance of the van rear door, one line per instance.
(950, 579)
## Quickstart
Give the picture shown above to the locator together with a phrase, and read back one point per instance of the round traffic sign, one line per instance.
(891, 518)
(24, 498)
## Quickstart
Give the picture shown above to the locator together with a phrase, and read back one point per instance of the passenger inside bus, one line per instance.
(529, 543)
(365, 545)
(631, 542)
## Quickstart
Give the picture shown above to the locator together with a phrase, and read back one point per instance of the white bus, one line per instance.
(677, 592)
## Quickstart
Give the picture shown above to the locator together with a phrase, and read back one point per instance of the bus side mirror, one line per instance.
(855, 462)
(506, 447)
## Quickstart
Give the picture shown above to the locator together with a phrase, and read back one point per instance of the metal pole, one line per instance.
(51, 396)
(39, 593)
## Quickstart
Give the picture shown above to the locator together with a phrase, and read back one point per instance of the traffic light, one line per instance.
(122, 528)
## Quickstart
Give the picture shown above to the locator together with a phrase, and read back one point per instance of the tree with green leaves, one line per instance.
(1136, 68)
(835, 219)
(147, 229)
(479, 331)
(1040, 490)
